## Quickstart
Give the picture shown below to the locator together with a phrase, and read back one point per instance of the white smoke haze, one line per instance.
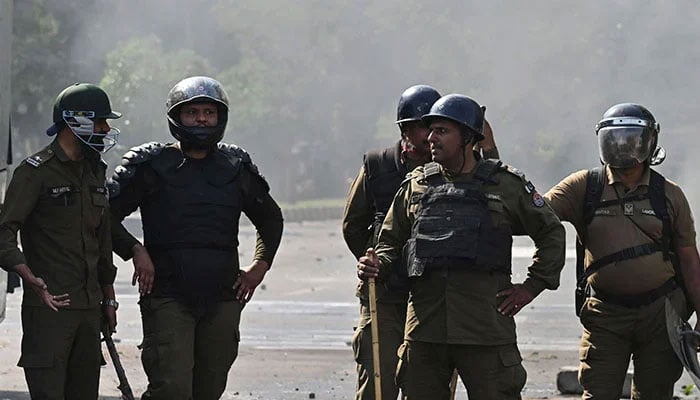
(314, 84)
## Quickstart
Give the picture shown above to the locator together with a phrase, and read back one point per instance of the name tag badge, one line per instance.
(629, 208)
(59, 191)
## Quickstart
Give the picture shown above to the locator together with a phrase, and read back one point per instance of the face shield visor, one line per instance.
(82, 124)
(626, 142)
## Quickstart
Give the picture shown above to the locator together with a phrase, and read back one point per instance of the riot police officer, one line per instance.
(57, 200)
(191, 194)
(367, 203)
(636, 247)
(453, 221)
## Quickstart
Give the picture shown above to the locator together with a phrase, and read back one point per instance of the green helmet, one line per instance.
(77, 106)
(83, 97)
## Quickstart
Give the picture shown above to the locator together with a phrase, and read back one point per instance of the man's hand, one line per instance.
(37, 284)
(368, 265)
(516, 297)
(249, 279)
(110, 316)
(144, 271)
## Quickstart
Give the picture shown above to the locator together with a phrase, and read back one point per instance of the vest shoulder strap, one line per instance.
(594, 191)
(378, 162)
(487, 170)
(37, 159)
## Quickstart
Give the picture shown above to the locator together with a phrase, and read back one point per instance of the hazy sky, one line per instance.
(546, 70)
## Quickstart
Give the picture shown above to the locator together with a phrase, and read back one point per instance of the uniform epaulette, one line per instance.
(537, 199)
(416, 173)
(431, 169)
(39, 158)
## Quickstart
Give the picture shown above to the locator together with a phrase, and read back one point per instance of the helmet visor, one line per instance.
(625, 146)
(83, 126)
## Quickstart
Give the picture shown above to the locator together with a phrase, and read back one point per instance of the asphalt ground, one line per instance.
(296, 331)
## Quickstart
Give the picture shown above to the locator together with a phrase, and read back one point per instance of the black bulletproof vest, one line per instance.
(385, 172)
(190, 222)
(454, 229)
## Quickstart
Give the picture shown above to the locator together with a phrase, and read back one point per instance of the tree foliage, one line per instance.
(313, 84)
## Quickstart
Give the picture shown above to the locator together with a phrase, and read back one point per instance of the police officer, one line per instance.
(368, 201)
(191, 194)
(57, 200)
(637, 231)
(453, 219)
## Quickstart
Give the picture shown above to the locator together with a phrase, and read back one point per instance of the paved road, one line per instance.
(296, 332)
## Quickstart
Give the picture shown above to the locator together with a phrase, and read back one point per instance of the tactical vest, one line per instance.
(197, 203)
(190, 211)
(656, 194)
(385, 172)
(454, 229)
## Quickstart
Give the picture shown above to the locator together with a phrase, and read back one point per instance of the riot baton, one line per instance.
(375, 339)
(123, 387)
(375, 330)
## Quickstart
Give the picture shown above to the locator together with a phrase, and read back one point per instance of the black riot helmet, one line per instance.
(464, 111)
(628, 135)
(77, 107)
(197, 89)
(415, 102)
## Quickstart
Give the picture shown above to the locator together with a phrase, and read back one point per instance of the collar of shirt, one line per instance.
(58, 150)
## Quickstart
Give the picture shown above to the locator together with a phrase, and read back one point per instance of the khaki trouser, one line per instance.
(61, 353)
(392, 319)
(488, 372)
(612, 334)
(187, 357)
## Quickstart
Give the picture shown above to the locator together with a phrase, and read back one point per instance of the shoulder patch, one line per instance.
(39, 158)
(537, 199)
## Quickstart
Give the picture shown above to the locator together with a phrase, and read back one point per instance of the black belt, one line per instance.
(636, 300)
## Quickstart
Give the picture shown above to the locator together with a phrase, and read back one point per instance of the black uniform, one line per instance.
(190, 209)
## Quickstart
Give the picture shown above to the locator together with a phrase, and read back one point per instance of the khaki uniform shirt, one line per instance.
(60, 208)
(460, 306)
(611, 230)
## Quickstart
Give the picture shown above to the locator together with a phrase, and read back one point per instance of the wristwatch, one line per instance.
(110, 303)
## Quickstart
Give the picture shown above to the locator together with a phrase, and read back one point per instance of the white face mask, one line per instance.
(82, 124)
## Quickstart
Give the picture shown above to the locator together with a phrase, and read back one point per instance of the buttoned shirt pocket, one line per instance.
(98, 203)
(61, 202)
(99, 196)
